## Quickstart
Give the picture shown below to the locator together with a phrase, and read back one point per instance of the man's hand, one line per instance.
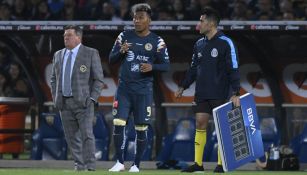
(179, 92)
(145, 67)
(235, 100)
(125, 47)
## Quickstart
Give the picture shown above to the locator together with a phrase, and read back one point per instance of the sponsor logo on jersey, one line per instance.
(135, 67)
(130, 56)
(142, 58)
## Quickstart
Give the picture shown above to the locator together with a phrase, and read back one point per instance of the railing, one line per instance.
(15, 101)
(166, 104)
(155, 25)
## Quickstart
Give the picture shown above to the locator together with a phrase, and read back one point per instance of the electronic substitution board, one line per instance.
(238, 132)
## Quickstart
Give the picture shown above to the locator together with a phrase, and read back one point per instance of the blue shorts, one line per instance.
(138, 104)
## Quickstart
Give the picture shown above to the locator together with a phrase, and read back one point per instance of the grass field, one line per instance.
(29, 171)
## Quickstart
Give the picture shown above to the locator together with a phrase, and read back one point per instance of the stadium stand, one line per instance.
(269, 132)
(299, 145)
(102, 136)
(117, 10)
(210, 153)
(48, 141)
(181, 139)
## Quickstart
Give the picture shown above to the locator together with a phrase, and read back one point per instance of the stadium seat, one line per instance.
(269, 132)
(210, 153)
(181, 139)
(48, 141)
(299, 145)
(130, 142)
(295, 143)
(102, 136)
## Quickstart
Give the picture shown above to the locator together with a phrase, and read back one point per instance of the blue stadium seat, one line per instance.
(295, 144)
(102, 136)
(48, 141)
(179, 145)
(210, 153)
(183, 139)
(130, 142)
(269, 132)
(299, 145)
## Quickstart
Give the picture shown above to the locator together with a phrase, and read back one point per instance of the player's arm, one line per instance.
(162, 63)
(162, 57)
(190, 75)
(119, 50)
(232, 63)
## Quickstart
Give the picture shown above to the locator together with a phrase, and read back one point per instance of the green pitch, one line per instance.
(30, 171)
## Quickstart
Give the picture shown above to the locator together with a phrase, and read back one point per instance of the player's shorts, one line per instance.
(138, 104)
(206, 106)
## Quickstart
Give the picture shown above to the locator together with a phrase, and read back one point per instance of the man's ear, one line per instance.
(212, 24)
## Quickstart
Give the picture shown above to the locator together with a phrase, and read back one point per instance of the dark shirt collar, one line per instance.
(217, 35)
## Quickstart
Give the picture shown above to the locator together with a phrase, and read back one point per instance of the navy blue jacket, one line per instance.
(149, 49)
(214, 67)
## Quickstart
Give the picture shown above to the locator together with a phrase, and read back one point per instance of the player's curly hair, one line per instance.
(142, 7)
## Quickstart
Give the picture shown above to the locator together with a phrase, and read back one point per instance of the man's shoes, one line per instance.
(193, 168)
(117, 167)
(78, 167)
(134, 169)
(219, 169)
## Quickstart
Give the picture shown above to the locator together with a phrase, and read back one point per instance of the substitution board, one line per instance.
(238, 132)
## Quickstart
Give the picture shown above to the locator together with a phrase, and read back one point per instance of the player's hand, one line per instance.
(125, 47)
(235, 100)
(145, 67)
(179, 92)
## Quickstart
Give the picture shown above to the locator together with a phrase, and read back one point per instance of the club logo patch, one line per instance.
(50, 119)
(114, 112)
(148, 46)
(214, 52)
(83, 68)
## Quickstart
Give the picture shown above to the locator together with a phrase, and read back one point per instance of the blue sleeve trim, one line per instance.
(232, 51)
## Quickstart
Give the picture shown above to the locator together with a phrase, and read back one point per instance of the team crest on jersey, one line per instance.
(148, 46)
(214, 52)
(83, 68)
(50, 119)
(114, 112)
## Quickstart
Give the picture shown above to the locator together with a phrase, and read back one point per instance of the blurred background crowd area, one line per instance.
(13, 81)
(184, 10)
